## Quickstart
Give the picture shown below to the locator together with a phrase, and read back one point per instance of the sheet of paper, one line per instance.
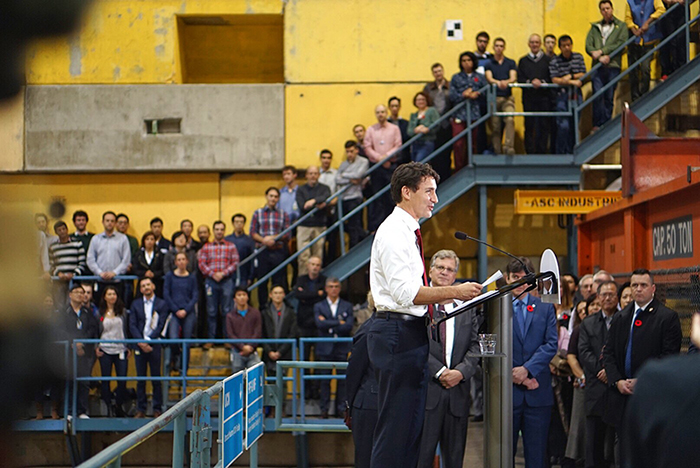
(485, 295)
(493, 278)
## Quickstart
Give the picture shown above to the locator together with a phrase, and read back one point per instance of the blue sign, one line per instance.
(254, 404)
(232, 419)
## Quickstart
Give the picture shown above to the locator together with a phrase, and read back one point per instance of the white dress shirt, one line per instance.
(396, 267)
(148, 311)
(334, 313)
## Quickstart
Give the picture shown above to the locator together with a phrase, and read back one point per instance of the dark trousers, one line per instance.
(537, 128)
(565, 125)
(120, 364)
(353, 226)
(382, 207)
(399, 352)
(268, 260)
(442, 162)
(326, 384)
(152, 360)
(219, 296)
(603, 105)
(641, 75)
(460, 146)
(449, 430)
(533, 422)
(599, 436)
(332, 240)
(363, 423)
(673, 54)
(84, 369)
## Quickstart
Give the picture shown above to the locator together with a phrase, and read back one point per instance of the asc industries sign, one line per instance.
(673, 238)
(232, 420)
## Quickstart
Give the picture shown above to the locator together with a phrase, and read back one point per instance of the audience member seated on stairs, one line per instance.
(181, 293)
(243, 322)
(113, 325)
(146, 321)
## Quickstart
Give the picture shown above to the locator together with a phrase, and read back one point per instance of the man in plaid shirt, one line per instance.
(218, 261)
(267, 223)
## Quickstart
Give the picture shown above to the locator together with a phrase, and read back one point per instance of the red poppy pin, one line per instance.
(637, 323)
(476, 79)
(565, 317)
(531, 308)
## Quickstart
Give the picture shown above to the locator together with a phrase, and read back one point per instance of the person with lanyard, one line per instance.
(398, 339)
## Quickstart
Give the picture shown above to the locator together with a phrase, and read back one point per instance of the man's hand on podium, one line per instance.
(468, 291)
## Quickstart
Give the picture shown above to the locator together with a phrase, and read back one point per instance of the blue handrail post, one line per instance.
(341, 228)
(201, 434)
(179, 430)
(253, 449)
(183, 368)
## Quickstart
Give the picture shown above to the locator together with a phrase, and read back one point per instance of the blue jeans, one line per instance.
(565, 125)
(239, 363)
(218, 294)
(603, 105)
(421, 149)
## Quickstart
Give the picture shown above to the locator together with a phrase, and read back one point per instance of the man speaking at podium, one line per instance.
(398, 339)
(534, 346)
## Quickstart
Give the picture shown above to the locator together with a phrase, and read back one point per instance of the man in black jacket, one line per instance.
(79, 323)
(642, 331)
(593, 334)
(533, 68)
(278, 321)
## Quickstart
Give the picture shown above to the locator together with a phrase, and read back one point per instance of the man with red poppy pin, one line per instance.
(644, 330)
(534, 346)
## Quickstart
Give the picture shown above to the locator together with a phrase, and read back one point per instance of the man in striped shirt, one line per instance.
(218, 261)
(67, 258)
(267, 223)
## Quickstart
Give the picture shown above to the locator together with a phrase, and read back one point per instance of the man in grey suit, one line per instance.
(449, 367)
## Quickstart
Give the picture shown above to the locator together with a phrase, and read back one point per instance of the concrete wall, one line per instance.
(99, 128)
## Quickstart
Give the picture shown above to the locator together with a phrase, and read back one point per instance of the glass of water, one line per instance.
(487, 343)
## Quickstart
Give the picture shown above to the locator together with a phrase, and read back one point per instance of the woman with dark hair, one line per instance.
(465, 86)
(625, 295)
(419, 124)
(113, 326)
(148, 262)
(179, 245)
(181, 293)
(575, 449)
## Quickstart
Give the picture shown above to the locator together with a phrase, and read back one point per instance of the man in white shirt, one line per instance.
(450, 371)
(398, 340)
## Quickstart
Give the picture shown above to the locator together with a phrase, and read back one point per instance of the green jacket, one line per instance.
(431, 115)
(618, 36)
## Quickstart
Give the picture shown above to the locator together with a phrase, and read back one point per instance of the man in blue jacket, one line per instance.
(534, 346)
(147, 318)
(334, 319)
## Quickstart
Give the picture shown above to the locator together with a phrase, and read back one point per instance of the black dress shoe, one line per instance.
(478, 418)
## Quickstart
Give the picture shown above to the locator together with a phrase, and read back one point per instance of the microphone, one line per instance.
(464, 236)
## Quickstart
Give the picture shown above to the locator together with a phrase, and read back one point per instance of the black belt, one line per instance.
(385, 314)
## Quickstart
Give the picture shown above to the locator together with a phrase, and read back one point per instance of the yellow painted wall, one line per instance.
(245, 193)
(12, 134)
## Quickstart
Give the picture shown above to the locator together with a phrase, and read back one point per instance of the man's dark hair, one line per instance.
(644, 271)
(177, 234)
(186, 221)
(289, 167)
(606, 283)
(80, 213)
(277, 285)
(218, 221)
(499, 39)
(410, 175)
(600, 3)
(326, 151)
(108, 213)
(483, 34)
(146, 234)
(573, 276)
(392, 98)
(155, 220)
(350, 144)
(144, 278)
(238, 215)
(624, 286)
(549, 35)
(123, 215)
(59, 224)
(272, 188)
(241, 288)
(515, 266)
(563, 38)
(435, 65)
(471, 55)
(75, 286)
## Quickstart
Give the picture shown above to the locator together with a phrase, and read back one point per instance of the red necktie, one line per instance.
(419, 240)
